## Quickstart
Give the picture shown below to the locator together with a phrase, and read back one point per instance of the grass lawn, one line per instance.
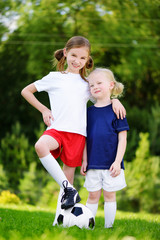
(34, 223)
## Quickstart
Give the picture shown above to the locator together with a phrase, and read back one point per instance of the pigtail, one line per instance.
(117, 89)
(89, 63)
(60, 59)
(58, 54)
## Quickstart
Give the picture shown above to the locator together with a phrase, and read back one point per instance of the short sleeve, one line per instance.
(121, 125)
(44, 84)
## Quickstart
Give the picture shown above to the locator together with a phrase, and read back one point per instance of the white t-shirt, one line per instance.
(68, 95)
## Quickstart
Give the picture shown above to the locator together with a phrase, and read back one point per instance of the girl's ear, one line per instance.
(112, 85)
(64, 52)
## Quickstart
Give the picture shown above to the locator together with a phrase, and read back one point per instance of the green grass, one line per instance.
(34, 223)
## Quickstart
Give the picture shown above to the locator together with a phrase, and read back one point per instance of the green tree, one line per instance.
(50, 192)
(143, 179)
(124, 36)
(3, 179)
(154, 129)
(15, 155)
(29, 187)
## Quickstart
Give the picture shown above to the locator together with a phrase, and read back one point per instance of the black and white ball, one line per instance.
(79, 216)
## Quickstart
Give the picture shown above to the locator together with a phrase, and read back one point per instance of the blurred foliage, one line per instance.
(29, 186)
(3, 179)
(125, 37)
(49, 193)
(8, 197)
(154, 129)
(143, 180)
(15, 155)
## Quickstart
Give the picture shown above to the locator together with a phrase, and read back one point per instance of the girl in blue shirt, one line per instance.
(106, 144)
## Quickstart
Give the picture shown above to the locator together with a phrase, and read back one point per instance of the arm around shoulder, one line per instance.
(118, 108)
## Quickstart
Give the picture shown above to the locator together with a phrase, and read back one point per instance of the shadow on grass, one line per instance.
(34, 224)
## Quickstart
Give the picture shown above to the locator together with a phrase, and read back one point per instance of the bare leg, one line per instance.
(69, 173)
(45, 144)
(43, 147)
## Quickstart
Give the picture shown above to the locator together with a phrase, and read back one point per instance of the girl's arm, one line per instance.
(115, 168)
(28, 94)
(84, 163)
(118, 108)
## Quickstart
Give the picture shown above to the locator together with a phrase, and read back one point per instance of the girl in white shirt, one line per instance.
(66, 121)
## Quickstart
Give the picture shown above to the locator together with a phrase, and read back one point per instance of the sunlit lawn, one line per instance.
(35, 223)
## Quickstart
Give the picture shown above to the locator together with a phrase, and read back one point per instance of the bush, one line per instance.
(3, 179)
(29, 186)
(154, 129)
(8, 197)
(143, 180)
(15, 155)
(138, 122)
(50, 194)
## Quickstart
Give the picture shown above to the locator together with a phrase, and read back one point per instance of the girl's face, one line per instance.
(76, 58)
(100, 85)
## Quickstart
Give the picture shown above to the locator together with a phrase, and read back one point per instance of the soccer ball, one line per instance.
(79, 215)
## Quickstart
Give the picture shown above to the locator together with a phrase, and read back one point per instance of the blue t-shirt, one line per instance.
(103, 127)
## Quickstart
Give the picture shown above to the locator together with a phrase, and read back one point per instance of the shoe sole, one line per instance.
(78, 199)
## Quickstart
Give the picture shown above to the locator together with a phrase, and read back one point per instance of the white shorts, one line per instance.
(101, 179)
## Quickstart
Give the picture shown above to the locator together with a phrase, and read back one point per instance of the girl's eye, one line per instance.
(99, 82)
(91, 86)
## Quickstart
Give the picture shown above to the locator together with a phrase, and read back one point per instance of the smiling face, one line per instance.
(100, 85)
(76, 58)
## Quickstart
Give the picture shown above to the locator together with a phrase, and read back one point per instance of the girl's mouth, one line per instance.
(75, 66)
(98, 91)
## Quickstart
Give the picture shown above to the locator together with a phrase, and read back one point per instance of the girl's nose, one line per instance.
(76, 60)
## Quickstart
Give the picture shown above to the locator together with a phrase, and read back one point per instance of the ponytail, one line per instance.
(60, 60)
(89, 63)
(117, 89)
(58, 54)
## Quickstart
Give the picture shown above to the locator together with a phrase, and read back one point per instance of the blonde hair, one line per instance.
(74, 42)
(118, 88)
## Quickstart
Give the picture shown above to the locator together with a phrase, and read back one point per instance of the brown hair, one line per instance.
(74, 42)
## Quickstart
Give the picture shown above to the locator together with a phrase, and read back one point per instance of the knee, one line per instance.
(94, 197)
(40, 148)
(109, 196)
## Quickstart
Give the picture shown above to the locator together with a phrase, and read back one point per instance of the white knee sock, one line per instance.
(58, 207)
(93, 207)
(54, 169)
(110, 213)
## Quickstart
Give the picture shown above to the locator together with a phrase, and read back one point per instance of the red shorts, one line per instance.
(71, 146)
